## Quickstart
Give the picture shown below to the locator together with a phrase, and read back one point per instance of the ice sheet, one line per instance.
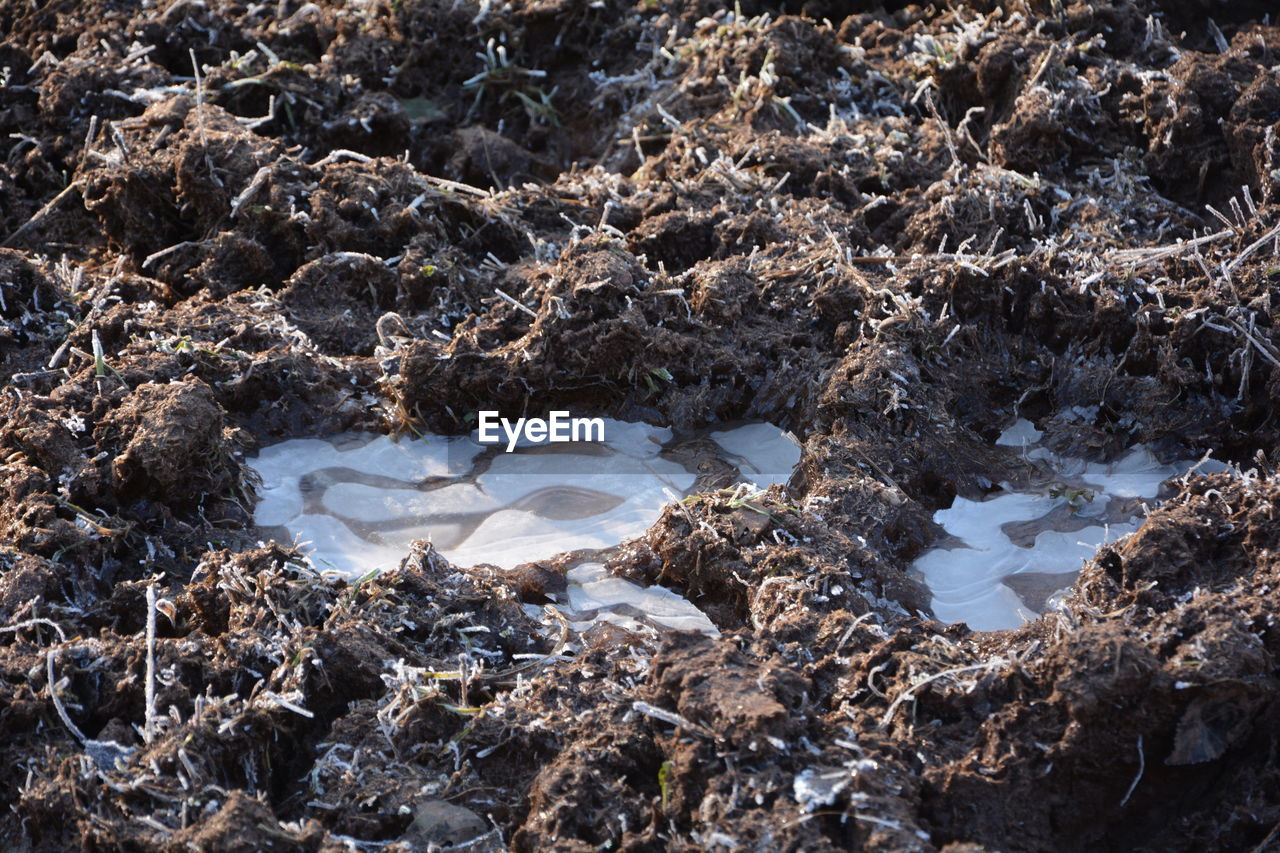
(762, 456)
(1078, 506)
(357, 502)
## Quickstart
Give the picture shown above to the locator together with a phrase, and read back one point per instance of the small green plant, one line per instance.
(540, 111)
(664, 783)
(1073, 497)
(348, 598)
(744, 496)
(651, 378)
(742, 503)
(503, 79)
(100, 365)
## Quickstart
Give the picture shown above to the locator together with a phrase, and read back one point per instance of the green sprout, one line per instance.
(100, 365)
(664, 783)
(653, 375)
(1073, 497)
(349, 597)
(541, 111)
(504, 78)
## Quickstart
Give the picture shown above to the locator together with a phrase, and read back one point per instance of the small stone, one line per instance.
(443, 823)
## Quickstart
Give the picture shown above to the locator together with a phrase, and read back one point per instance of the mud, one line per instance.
(890, 229)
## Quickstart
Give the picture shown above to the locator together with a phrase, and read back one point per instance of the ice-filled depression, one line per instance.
(356, 502)
(1010, 557)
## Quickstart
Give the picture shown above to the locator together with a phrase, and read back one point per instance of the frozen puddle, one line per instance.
(358, 501)
(1010, 556)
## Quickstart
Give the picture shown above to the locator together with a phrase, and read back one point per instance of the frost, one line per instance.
(818, 787)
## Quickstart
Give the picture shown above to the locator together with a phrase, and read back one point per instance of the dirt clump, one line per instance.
(172, 444)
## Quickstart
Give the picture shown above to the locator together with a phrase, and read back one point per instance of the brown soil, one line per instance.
(890, 229)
